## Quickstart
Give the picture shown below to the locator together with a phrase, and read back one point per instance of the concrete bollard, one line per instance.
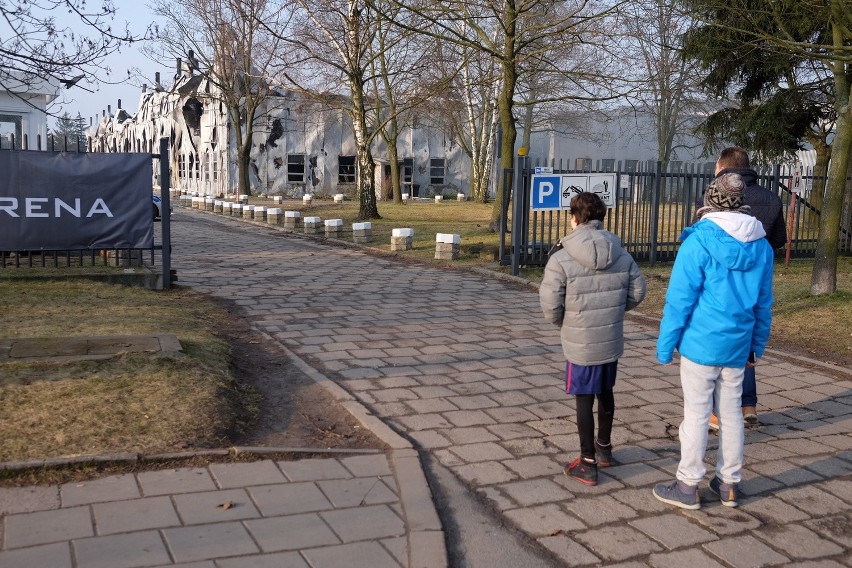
(307, 199)
(236, 209)
(447, 246)
(217, 207)
(195, 203)
(461, 197)
(278, 199)
(244, 199)
(439, 198)
(402, 239)
(185, 201)
(209, 203)
(274, 215)
(226, 208)
(292, 220)
(362, 232)
(338, 198)
(312, 225)
(248, 212)
(260, 213)
(405, 197)
(334, 228)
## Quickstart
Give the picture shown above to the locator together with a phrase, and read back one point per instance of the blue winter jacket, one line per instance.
(719, 302)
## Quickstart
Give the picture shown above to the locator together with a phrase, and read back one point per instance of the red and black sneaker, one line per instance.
(583, 471)
(603, 453)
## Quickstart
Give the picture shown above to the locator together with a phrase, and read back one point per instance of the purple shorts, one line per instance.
(593, 379)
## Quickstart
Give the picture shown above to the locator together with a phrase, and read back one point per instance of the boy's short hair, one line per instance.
(587, 206)
(733, 157)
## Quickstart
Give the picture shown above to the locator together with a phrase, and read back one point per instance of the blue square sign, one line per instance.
(545, 192)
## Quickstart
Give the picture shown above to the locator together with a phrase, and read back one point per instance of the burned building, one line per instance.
(300, 145)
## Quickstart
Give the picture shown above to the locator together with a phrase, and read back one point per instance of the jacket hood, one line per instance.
(728, 237)
(591, 246)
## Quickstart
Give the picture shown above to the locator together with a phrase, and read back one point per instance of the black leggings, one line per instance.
(586, 421)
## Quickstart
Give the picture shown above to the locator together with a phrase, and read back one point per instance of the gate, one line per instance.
(653, 203)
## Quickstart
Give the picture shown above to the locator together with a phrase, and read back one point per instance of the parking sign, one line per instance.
(545, 193)
(554, 192)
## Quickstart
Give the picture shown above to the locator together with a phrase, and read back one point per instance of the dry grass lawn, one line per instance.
(132, 403)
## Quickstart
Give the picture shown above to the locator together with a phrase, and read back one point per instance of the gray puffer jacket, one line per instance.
(588, 284)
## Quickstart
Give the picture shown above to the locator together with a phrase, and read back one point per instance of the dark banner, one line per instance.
(64, 200)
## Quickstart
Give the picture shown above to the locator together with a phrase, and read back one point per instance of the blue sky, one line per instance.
(88, 104)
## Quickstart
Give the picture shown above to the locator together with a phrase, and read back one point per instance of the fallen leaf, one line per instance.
(226, 505)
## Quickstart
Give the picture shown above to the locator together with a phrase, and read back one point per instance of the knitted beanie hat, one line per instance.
(725, 193)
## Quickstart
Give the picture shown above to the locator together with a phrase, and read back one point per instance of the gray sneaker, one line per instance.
(728, 492)
(678, 494)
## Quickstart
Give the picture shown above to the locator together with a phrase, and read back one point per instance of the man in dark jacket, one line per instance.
(766, 207)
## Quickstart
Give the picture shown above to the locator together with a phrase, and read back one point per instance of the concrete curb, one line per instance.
(425, 534)
(131, 458)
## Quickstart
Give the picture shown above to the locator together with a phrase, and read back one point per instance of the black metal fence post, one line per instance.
(518, 218)
(655, 213)
(165, 213)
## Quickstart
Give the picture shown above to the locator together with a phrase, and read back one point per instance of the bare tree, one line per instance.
(221, 40)
(402, 77)
(34, 47)
(337, 39)
(667, 86)
(468, 109)
(519, 32)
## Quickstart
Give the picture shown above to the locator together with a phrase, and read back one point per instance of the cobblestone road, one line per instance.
(464, 366)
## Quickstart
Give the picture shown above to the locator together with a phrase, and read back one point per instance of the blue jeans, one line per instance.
(750, 385)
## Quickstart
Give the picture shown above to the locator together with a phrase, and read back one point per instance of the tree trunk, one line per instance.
(824, 275)
(507, 143)
(366, 184)
(396, 184)
(823, 155)
(243, 152)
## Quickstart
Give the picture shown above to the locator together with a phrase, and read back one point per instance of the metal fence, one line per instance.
(653, 204)
(52, 143)
(157, 258)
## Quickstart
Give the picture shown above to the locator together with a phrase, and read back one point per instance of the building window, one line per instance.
(437, 168)
(406, 174)
(346, 169)
(295, 168)
(10, 129)
(215, 170)
(191, 165)
(198, 168)
(181, 166)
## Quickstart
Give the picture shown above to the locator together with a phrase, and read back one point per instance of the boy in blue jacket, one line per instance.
(718, 309)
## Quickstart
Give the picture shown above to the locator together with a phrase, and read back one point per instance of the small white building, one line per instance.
(23, 106)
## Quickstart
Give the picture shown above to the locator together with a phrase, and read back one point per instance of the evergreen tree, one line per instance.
(70, 133)
(762, 47)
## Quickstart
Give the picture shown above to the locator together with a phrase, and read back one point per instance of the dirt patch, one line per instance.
(291, 410)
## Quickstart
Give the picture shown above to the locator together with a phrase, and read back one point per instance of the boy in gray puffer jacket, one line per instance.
(588, 284)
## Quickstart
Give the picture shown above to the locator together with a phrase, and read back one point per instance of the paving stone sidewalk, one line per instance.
(340, 511)
(464, 366)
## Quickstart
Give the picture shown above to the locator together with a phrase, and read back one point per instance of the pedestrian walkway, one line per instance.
(463, 367)
(347, 509)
